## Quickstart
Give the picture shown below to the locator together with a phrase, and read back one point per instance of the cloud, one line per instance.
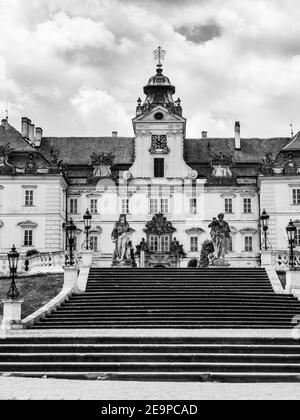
(78, 66)
(92, 106)
(200, 34)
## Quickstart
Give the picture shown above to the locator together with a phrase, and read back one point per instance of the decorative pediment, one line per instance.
(248, 231)
(195, 231)
(159, 225)
(28, 225)
(151, 115)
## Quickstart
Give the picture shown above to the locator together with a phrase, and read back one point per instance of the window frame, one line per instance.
(248, 246)
(194, 244)
(193, 206)
(159, 167)
(94, 206)
(28, 238)
(72, 201)
(296, 196)
(247, 205)
(29, 198)
(228, 205)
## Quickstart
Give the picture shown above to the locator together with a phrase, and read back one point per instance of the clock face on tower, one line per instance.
(159, 144)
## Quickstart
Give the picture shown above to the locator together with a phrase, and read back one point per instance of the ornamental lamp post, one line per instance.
(87, 226)
(265, 225)
(71, 229)
(291, 233)
(13, 258)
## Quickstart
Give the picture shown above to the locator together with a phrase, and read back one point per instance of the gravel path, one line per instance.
(43, 389)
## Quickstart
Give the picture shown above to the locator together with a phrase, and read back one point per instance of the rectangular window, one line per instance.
(164, 208)
(165, 244)
(228, 206)
(28, 237)
(94, 243)
(94, 206)
(154, 243)
(296, 196)
(159, 205)
(125, 206)
(159, 168)
(297, 237)
(248, 244)
(247, 205)
(29, 198)
(193, 205)
(194, 244)
(154, 206)
(74, 206)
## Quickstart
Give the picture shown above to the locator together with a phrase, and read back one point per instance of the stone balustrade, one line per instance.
(280, 260)
(48, 262)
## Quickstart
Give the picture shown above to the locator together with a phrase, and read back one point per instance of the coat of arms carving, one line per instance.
(159, 145)
(159, 225)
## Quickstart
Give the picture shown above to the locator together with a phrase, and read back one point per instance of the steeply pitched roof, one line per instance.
(294, 144)
(78, 150)
(252, 151)
(9, 135)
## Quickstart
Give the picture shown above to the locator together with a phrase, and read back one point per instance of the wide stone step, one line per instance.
(156, 349)
(148, 358)
(103, 367)
(229, 377)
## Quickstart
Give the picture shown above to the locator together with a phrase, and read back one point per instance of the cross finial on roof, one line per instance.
(292, 129)
(159, 55)
(6, 111)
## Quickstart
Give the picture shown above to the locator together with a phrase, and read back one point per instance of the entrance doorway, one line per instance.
(160, 266)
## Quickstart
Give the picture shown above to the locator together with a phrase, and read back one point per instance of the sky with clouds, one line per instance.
(77, 67)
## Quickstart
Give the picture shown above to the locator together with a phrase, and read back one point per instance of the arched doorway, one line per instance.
(160, 266)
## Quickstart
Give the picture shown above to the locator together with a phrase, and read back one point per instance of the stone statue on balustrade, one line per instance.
(123, 246)
(220, 235)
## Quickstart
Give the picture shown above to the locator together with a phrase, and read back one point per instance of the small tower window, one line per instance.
(159, 168)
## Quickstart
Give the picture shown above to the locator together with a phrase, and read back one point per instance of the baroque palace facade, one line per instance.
(45, 181)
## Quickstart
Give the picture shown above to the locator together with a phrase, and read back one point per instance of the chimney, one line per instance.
(204, 134)
(237, 135)
(31, 133)
(38, 136)
(115, 134)
(25, 127)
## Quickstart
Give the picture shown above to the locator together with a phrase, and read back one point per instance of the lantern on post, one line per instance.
(291, 233)
(71, 230)
(265, 226)
(87, 226)
(13, 259)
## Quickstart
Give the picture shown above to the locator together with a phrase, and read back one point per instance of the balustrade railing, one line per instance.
(281, 260)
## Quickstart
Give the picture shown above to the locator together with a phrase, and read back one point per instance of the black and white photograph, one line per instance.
(149, 203)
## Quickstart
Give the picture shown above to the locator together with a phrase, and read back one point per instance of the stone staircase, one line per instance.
(156, 314)
(153, 359)
(175, 299)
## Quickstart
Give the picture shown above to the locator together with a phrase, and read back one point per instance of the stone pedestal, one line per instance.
(142, 259)
(220, 264)
(12, 311)
(266, 258)
(71, 277)
(122, 264)
(87, 259)
(292, 280)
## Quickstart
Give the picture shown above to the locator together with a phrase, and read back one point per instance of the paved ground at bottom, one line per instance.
(51, 389)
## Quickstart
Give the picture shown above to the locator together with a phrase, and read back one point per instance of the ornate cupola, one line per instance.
(159, 129)
(159, 90)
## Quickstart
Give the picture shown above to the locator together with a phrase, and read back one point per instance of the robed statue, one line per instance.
(123, 246)
(220, 235)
